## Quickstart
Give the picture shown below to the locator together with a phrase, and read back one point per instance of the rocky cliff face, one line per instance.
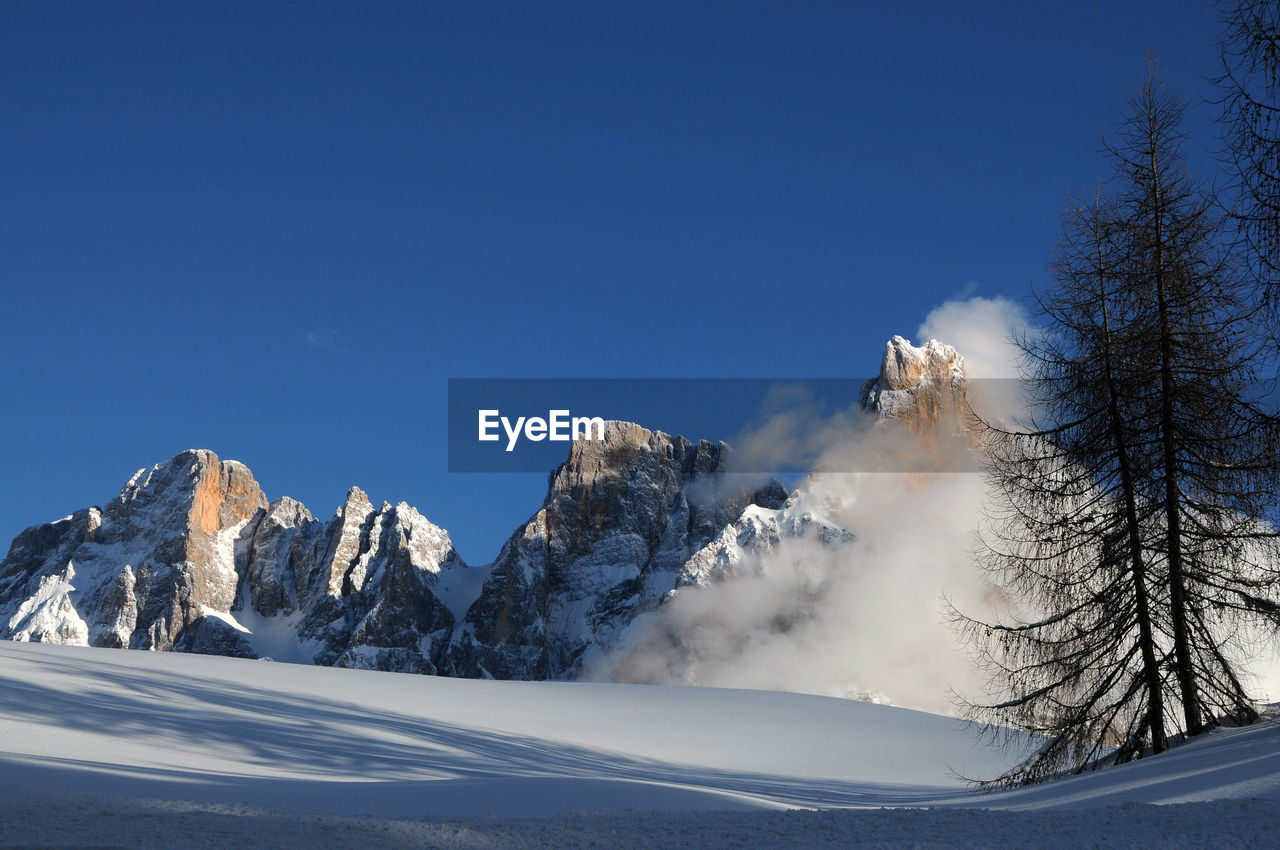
(357, 591)
(922, 389)
(621, 518)
(142, 570)
(191, 551)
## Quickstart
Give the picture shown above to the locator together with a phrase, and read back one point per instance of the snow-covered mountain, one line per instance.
(621, 519)
(192, 556)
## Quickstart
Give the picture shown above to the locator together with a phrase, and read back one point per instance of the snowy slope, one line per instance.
(231, 730)
(180, 741)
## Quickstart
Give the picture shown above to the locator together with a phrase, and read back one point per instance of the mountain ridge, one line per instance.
(192, 556)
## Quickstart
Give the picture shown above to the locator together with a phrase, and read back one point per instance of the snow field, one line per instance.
(134, 749)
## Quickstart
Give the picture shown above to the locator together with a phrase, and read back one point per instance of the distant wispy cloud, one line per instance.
(325, 340)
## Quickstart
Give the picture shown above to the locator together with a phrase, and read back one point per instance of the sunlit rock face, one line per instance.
(621, 518)
(142, 569)
(918, 386)
(191, 548)
(921, 389)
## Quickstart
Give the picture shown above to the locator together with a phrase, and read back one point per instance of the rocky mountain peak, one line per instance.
(194, 489)
(923, 389)
(905, 366)
(621, 517)
(626, 451)
(146, 567)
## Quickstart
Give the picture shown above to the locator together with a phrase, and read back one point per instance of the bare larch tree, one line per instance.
(1131, 517)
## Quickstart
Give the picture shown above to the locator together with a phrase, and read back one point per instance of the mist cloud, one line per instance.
(982, 330)
(865, 618)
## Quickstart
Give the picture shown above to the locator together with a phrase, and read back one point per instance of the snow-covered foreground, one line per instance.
(116, 748)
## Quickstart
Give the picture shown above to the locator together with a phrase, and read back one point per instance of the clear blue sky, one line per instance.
(276, 230)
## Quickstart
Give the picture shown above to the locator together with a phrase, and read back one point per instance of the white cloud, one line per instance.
(981, 329)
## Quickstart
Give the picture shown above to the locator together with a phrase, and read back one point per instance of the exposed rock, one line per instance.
(393, 620)
(117, 612)
(173, 528)
(360, 584)
(917, 386)
(620, 519)
(43, 550)
(921, 389)
(191, 557)
(191, 545)
(904, 366)
(282, 550)
(212, 635)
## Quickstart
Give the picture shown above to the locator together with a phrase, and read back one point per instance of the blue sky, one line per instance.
(276, 230)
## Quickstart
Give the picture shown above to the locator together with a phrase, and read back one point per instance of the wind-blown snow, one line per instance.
(156, 749)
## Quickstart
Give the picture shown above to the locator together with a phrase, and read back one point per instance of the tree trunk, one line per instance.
(1172, 497)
